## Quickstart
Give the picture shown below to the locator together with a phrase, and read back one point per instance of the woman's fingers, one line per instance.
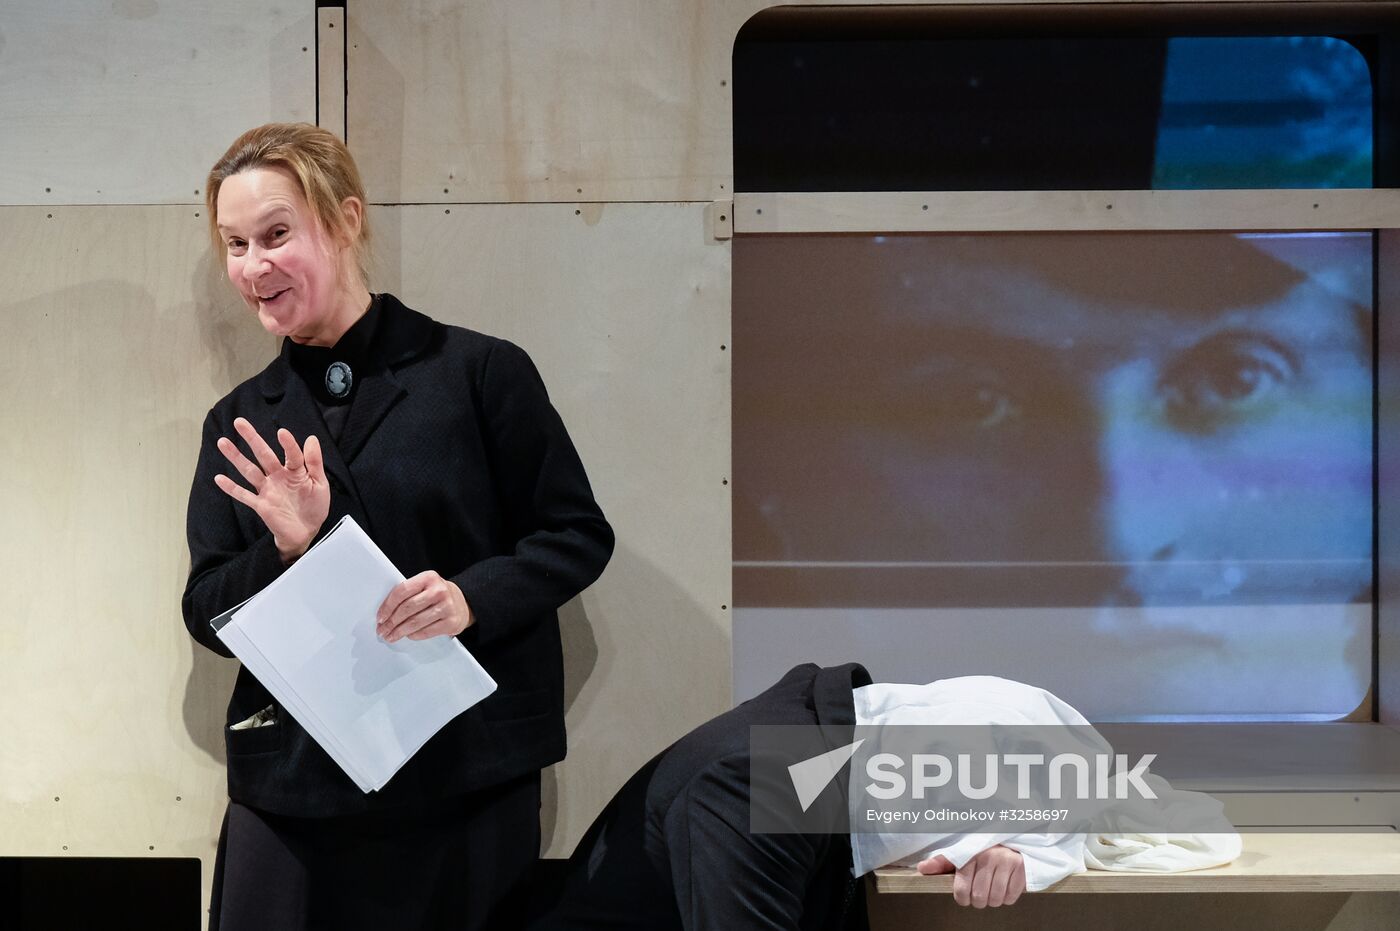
(424, 606)
(442, 628)
(289, 505)
(408, 608)
(294, 457)
(261, 451)
(251, 473)
(414, 603)
(397, 596)
(291, 452)
(236, 491)
(315, 465)
(416, 623)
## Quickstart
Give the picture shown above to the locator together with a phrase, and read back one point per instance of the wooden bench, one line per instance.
(1308, 862)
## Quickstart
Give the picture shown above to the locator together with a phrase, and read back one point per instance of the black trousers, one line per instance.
(462, 863)
(701, 868)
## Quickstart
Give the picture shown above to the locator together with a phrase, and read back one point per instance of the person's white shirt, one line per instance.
(1048, 857)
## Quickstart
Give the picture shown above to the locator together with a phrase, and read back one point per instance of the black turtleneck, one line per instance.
(333, 374)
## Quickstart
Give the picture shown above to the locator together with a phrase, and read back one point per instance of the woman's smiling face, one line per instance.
(281, 260)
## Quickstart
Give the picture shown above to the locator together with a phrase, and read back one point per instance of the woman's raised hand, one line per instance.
(291, 496)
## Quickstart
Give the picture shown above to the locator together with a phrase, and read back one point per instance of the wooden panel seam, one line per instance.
(988, 211)
(330, 69)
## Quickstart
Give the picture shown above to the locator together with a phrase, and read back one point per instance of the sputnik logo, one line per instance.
(810, 777)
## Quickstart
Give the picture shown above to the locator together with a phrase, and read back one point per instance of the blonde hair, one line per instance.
(314, 156)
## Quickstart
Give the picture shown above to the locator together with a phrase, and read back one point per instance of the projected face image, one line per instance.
(1206, 457)
(1165, 419)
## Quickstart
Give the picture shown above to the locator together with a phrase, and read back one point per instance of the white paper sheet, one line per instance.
(310, 639)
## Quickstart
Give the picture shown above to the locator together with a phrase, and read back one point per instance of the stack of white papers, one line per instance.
(310, 639)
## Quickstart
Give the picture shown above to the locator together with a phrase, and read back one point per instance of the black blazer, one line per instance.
(673, 850)
(453, 459)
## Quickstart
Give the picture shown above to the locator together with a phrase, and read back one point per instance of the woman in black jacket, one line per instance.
(442, 443)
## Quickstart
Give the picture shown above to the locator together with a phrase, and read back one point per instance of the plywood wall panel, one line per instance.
(120, 335)
(542, 100)
(547, 100)
(130, 101)
(625, 310)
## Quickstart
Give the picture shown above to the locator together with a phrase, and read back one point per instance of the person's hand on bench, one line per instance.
(996, 876)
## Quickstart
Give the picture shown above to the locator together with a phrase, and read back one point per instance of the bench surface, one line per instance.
(1311, 862)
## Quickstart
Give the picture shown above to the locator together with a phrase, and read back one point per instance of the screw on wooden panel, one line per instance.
(448, 210)
(719, 220)
(65, 846)
(49, 190)
(724, 481)
(721, 347)
(724, 607)
(55, 798)
(1110, 207)
(578, 213)
(178, 799)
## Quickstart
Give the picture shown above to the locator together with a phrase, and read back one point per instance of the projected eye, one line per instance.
(953, 404)
(1225, 378)
(985, 408)
(952, 398)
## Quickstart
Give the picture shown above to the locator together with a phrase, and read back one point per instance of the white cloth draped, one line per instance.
(1118, 839)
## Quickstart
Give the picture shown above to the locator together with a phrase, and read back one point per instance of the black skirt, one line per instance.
(460, 863)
